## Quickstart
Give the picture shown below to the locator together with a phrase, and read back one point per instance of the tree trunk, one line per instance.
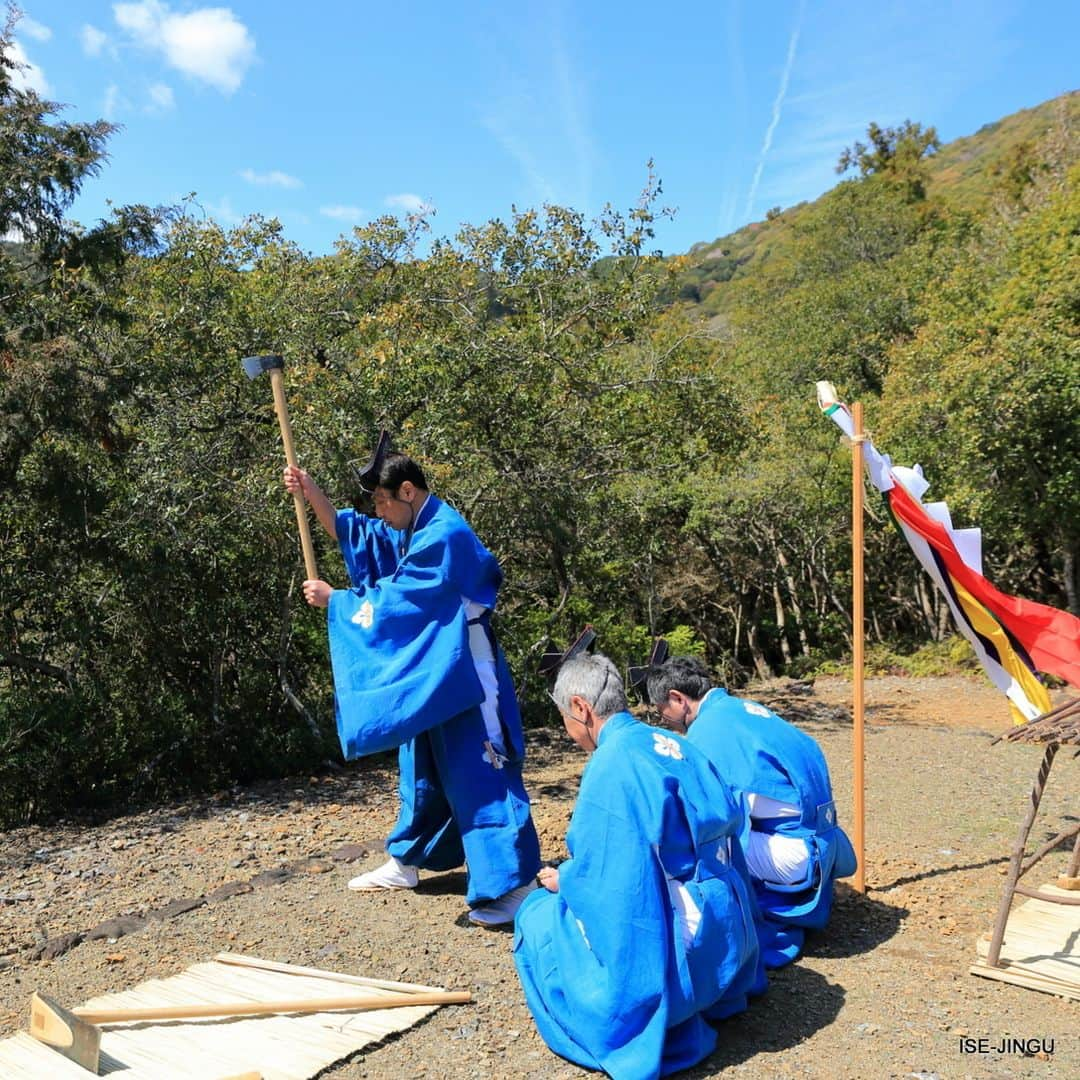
(1072, 581)
(761, 665)
(945, 621)
(793, 595)
(781, 621)
(926, 606)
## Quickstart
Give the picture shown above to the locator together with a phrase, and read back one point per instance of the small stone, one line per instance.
(176, 907)
(312, 865)
(271, 877)
(350, 852)
(57, 946)
(113, 929)
(230, 888)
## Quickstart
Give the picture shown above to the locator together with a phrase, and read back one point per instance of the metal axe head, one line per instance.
(254, 366)
(74, 1037)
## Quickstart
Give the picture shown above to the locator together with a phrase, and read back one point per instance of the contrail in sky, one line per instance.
(778, 104)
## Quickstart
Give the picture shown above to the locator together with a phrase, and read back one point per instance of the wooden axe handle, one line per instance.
(265, 1008)
(241, 960)
(282, 411)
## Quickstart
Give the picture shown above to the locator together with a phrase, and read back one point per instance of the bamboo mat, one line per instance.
(1041, 948)
(277, 1047)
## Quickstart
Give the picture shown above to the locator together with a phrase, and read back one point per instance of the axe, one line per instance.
(74, 1034)
(254, 366)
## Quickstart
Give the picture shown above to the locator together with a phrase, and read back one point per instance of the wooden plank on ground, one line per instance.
(275, 1047)
(1041, 947)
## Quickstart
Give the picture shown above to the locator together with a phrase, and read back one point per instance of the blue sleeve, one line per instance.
(368, 546)
(399, 649)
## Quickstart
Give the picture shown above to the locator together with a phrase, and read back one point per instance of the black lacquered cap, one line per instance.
(550, 662)
(639, 676)
(369, 474)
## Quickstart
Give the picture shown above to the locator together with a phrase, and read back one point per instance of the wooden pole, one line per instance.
(857, 619)
(1016, 867)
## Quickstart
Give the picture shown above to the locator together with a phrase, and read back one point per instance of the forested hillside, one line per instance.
(647, 463)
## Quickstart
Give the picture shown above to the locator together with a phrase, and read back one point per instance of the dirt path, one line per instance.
(883, 993)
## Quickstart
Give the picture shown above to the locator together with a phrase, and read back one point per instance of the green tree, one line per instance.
(987, 394)
(58, 442)
(896, 153)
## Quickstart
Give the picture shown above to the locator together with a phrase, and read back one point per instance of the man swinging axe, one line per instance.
(416, 666)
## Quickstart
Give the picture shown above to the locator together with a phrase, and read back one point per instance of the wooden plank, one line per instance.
(277, 1047)
(293, 969)
(1029, 982)
(1040, 949)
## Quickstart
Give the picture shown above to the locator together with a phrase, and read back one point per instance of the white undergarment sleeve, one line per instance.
(761, 806)
(484, 659)
(687, 913)
(479, 645)
(783, 860)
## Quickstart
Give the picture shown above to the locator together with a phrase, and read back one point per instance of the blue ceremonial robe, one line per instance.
(404, 676)
(756, 751)
(607, 974)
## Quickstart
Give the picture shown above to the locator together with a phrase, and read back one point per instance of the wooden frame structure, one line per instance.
(1057, 728)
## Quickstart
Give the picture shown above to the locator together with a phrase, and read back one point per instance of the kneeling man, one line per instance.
(793, 844)
(647, 931)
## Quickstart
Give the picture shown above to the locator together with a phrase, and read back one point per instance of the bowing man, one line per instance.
(793, 843)
(647, 931)
(416, 666)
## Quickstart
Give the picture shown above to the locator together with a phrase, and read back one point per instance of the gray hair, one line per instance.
(592, 677)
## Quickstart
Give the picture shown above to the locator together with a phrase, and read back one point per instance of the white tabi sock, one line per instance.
(393, 874)
(501, 911)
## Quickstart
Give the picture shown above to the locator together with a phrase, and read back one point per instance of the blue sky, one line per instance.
(330, 113)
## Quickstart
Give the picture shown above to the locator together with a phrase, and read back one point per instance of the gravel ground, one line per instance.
(884, 992)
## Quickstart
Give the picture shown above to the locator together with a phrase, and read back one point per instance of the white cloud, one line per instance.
(274, 178)
(778, 104)
(32, 28)
(573, 102)
(209, 44)
(93, 40)
(537, 107)
(26, 75)
(498, 123)
(114, 102)
(411, 204)
(343, 213)
(223, 212)
(161, 97)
